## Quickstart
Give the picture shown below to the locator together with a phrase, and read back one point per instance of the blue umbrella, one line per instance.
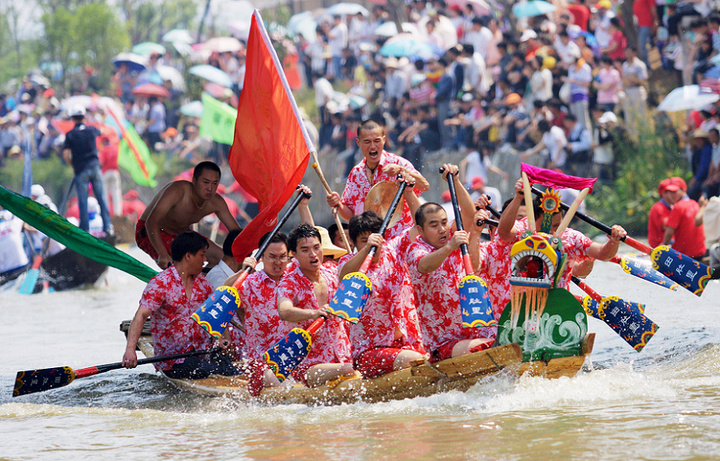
(148, 48)
(135, 62)
(412, 48)
(532, 8)
(212, 74)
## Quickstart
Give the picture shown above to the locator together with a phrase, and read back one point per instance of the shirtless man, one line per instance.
(378, 165)
(179, 205)
(302, 295)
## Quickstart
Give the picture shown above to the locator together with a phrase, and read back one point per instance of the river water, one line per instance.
(660, 404)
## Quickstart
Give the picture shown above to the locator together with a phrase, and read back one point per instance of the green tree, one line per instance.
(148, 20)
(83, 34)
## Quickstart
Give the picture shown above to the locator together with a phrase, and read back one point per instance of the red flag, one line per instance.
(271, 148)
(555, 179)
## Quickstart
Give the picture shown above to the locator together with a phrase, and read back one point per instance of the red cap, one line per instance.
(676, 183)
(445, 196)
(663, 186)
(477, 183)
(49, 93)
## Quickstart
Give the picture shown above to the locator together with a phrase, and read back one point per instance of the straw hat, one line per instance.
(328, 248)
(699, 133)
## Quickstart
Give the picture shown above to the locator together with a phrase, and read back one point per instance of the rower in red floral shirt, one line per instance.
(387, 337)
(377, 165)
(171, 297)
(302, 296)
(436, 267)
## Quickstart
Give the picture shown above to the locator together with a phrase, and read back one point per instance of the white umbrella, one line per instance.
(389, 29)
(192, 109)
(178, 35)
(347, 9)
(222, 44)
(239, 28)
(212, 74)
(687, 98)
(172, 74)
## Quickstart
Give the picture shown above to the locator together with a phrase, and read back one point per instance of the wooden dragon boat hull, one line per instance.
(68, 269)
(422, 379)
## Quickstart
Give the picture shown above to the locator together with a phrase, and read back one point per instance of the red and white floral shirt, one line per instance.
(391, 304)
(495, 269)
(358, 185)
(263, 326)
(173, 331)
(330, 344)
(438, 300)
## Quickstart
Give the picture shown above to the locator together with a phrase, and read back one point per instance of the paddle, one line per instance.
(626, 318)
(644, 270)
(348, 303)
(474, 297)
(30, 381)
(687, 272)
(217, 310)
(31, 278)
(355, 288)
(318, 170)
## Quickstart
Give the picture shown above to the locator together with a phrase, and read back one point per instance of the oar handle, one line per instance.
(385, 224)
(89, 371)
(258, 254)
(592, 293)
(458, 221)
(326, 186)
(603, 227)
(493, 211)
(489, 221)
(315, 326)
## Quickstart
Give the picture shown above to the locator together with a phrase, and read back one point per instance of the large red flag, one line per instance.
(271, 148)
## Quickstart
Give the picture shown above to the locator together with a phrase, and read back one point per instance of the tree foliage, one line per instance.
(148, 20)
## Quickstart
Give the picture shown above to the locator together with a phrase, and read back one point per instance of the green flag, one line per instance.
(136, 161)
(58, 228)
(218, 120)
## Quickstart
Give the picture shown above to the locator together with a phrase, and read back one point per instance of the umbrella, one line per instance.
(178, 35)
(389, 29)
(217, 91)
(182, 48)
(172, 74)
(239, 28)
(148, 48)
(150, 89)
(211, 73)
(532, 8)
(687, 98)
(135, 62)
(711, 84)
(347, 9)
(406, 45)
(77, 100)
(40, 79)
(192, 109)
(222, 45)
(303, 23)
(356, 101)
(479, 6)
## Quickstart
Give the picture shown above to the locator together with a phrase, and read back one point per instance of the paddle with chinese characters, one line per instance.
(215, 313)
(348, 303)
(626, 318)
(474, 297)
(684, 270)
(30, 381)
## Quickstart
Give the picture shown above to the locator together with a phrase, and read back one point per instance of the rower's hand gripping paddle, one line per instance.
(474, 297)
(215, 313)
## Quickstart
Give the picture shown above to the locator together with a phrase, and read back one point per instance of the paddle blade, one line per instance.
(215, 313)
(288, 353)
(350, 297)
(644, 270)
(626, 318)
(687, 272)
(475, 303)
(28, 382)
(28, 285)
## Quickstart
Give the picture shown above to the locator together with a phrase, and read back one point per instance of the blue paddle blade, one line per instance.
(217, 311)
(626, 318)
(475, 303)
(287, 354)
(643, 269)
(28, 382)
(350, 297)
(687, 272)
(28, 284)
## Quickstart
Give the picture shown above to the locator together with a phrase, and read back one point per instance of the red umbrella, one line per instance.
(150, 89)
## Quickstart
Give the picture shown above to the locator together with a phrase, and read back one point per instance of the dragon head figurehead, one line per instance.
(535, 261)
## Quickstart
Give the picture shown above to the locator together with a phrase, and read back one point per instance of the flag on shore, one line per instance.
(134, 157)
(271, 148)
(217, 121)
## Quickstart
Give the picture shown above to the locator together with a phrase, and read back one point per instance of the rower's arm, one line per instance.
(610, 248)
(136, 326)
(506, 226)
(293, 314)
